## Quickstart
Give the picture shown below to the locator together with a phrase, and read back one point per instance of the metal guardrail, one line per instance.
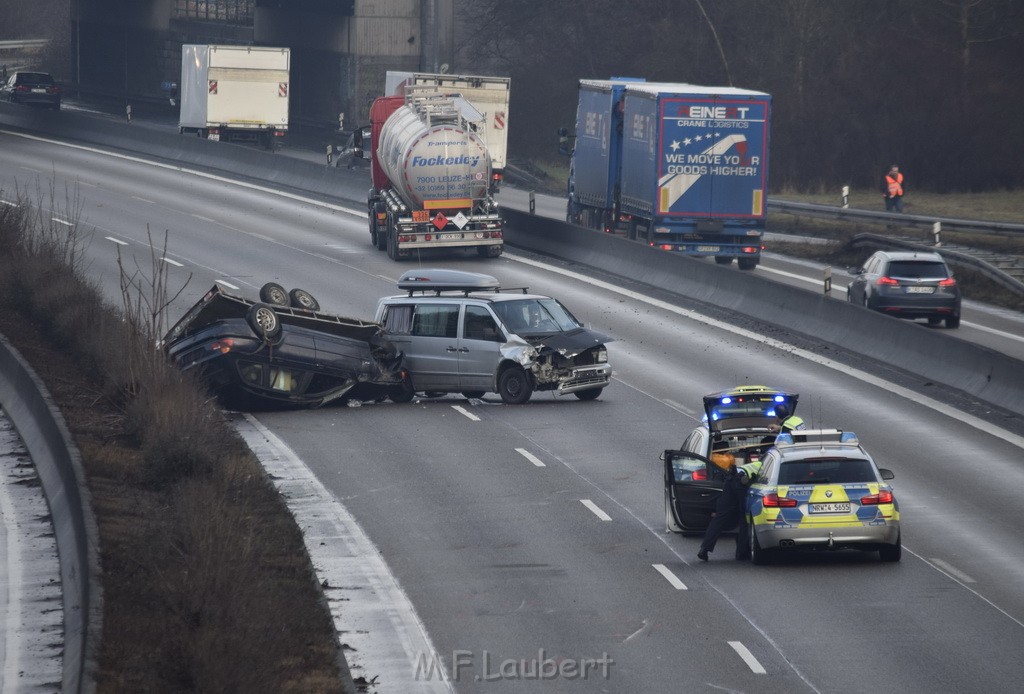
(22, 44)
(850, 214)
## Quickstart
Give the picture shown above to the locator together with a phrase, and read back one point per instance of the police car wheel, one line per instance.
(891, 553)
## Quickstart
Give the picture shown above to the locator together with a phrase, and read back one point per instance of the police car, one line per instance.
(736, 430)
(824, 492)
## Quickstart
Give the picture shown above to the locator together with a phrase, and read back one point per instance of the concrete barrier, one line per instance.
(41, 427)
(935, 355)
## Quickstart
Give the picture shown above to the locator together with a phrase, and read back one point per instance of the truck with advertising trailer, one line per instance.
(681, 167)
(235, 93)
(431, 172)
(488, 95)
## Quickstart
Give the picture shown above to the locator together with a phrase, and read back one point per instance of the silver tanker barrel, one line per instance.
(429, 153)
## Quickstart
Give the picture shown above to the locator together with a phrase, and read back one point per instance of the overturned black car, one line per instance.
(282, 352)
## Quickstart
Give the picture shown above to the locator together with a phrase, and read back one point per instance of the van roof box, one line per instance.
(441, 280)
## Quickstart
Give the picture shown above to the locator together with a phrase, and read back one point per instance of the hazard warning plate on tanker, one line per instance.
(460, 220)
(420, 216)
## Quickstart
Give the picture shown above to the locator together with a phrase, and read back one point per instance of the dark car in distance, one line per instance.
(31, 88)
(907, 284)
(282, 352)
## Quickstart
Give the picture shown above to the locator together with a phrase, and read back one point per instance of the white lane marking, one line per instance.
(984, 426)
(9, 204)
(952, 571)
(62, 221)
(205, 219)
(677, 406)
(964, 585)
(646, 626)
(175, 263)
(596, 511)
(119, 242)
(136, 197)
(227, 284)
(748, 658)
(669, 576)
(531, 457)
(793, 275)
(193, 172)
(994, 331)
(463, 411)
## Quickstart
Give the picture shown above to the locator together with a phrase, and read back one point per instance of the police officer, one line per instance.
(731, 510)
(786, 422)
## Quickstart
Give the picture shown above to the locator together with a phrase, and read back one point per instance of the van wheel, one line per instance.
(589, 394)
(473, 394)
(264, 321)
(300, 298)
(515, 386)
(274, 294)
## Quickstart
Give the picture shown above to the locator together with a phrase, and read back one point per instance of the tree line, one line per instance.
(933, 85)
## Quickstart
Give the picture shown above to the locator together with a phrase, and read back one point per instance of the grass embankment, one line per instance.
(207, 584)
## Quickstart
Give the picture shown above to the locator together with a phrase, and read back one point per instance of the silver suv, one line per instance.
(461, 332)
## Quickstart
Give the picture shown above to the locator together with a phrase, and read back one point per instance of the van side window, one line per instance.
(479, 324)
(397, 319)
(436, 320)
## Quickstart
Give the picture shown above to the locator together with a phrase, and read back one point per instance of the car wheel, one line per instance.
(473, 394)
(589, 394)
(891, 553)
(758, 555)
(953, 322)
(515, 386)
(264, 321)
(300, 298)
(723, 259)
(934, 320)
(274, 294)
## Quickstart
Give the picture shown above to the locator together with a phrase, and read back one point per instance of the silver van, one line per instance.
(461, 332)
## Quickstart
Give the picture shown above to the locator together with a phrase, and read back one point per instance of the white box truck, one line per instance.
(235, 93)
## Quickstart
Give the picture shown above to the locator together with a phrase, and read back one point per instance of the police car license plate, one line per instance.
(843, 507)
(708, 249)
(920, 290)
(449, 237)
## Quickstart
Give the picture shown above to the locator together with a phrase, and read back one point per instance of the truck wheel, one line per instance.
(723, 259)
(263, 320)
(515, 386)
(274, 294)
(747, 263)
(392, 246)
(631, 230)
(488, 251)
(300, 298)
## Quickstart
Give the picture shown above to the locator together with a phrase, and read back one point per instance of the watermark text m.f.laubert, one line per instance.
(484, 666)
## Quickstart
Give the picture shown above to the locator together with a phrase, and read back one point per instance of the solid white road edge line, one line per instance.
(367, 603)
(975, 422)
(669, 576)
(531, 457)
(748, 658)
(595, 510)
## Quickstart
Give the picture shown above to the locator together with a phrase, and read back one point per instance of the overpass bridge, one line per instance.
(340, 49)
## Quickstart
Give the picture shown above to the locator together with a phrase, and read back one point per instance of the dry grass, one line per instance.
(206, 581)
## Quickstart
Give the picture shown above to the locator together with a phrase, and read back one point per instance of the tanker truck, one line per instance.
(431, 175)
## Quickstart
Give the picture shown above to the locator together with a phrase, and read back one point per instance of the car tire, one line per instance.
(589, 394)
(473, 394)
(300, 298)
(402, 393)
(953, 322)
(264, 321)
(723, 260)
(758, 555)
(891, 553)
(274, 294)
(934, 320)
(515, 386)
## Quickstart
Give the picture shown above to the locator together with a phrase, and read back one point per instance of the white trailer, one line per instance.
(235, 92)
(488, 95)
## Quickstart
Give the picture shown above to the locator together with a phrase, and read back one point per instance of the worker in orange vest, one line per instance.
(892, 189)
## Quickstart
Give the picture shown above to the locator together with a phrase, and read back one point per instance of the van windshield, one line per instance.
(529, 316)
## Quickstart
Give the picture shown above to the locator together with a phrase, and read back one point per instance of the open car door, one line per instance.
(692, 487)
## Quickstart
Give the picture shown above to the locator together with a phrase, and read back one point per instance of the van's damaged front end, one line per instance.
(567, 362)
